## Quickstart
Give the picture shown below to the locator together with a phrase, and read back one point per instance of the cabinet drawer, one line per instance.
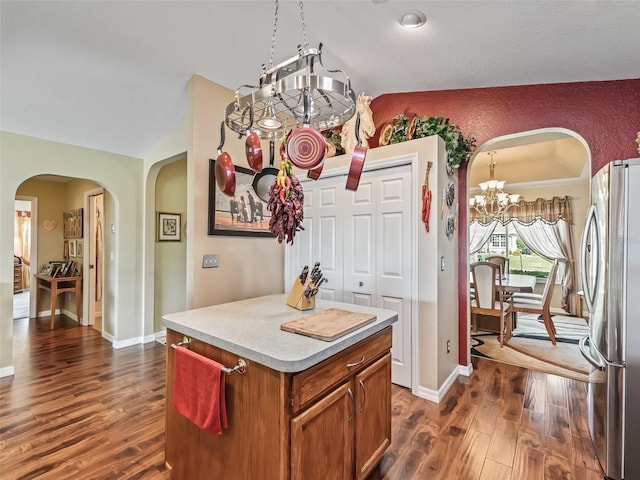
(310, 384)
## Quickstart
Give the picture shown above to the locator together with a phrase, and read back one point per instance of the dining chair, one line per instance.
(500, 260)
(487, 281)
(537, 303)
(504, 269)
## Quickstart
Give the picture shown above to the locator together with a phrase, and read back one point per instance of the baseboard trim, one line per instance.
(47, 313)
(118, 344)
(70, 314)
(7, 371)
(465, 371)
(437, 395)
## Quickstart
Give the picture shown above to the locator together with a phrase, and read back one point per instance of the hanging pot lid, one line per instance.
(224, 170)
(306, 148)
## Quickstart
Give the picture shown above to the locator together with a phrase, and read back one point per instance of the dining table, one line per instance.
(511, 283)
(518, 283)
(514, 283)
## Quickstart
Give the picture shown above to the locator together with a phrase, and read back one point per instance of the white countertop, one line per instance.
(251, 329)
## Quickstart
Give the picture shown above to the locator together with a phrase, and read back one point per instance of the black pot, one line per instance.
(263, 180)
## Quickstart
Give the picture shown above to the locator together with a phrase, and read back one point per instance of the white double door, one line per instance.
(362, 240)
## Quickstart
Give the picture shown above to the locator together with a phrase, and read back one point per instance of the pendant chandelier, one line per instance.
(297, 92)
(493, 201)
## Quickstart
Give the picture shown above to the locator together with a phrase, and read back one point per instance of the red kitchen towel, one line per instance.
(198, 390)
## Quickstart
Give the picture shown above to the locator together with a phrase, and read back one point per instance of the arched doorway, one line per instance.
(552, 162)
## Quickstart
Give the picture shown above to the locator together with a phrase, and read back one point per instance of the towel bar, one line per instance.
(241, 367)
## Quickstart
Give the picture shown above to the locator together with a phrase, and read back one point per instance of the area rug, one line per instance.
(530, 347)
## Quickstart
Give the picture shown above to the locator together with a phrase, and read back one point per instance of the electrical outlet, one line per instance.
(448, 346)
(210, 261)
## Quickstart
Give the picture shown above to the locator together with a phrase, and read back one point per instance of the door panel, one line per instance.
(363, 241)
(358, 298)
(322, 438)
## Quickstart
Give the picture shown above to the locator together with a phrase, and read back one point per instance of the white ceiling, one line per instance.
(112, 75)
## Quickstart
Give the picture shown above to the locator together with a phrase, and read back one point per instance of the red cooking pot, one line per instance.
(224, 171)
(253, 147)
(357, 160)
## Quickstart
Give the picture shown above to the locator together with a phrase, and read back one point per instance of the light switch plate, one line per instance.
(210, 261)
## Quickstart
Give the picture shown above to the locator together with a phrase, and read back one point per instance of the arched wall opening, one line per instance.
(564, 158)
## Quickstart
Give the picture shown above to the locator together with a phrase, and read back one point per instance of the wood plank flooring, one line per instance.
(78, 409)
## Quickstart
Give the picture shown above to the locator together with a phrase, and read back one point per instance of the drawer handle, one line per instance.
(352, 402)
(355, 364)
(364, 396)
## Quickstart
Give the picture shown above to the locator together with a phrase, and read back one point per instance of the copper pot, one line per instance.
(253, 146)
(224, 170)
(357, 160)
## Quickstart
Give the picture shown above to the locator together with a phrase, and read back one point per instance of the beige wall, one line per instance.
(249, 266)
(170, 266)
(23, 157)
(53, 199)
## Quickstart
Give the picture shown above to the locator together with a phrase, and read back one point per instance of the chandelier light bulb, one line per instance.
(493, 201)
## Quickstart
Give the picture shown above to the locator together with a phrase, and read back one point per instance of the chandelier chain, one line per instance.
(273, 35)
(304, 28)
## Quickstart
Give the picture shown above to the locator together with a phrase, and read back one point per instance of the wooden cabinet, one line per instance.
(332, 420)
(373, 415)
(17, 278)
(322, 438)
(349, 428)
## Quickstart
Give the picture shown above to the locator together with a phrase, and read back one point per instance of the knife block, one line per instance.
(296, 298)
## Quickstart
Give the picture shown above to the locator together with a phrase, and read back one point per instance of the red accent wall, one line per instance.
(605, 114)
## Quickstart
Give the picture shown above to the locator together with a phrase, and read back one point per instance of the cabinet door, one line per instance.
(322, 438)
(373, 415)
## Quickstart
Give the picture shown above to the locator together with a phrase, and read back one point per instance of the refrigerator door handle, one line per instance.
(586, 353)
(588, 224)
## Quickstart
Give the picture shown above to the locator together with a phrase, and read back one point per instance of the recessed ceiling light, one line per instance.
(413, 19)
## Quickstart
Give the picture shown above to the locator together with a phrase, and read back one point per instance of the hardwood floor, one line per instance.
(78, 409)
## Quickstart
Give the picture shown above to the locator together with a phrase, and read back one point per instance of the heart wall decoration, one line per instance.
(49, 225)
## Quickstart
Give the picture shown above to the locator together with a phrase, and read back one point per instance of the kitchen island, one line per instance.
(303, 408)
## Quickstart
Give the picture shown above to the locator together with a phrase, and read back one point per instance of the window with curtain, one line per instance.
(544, 227)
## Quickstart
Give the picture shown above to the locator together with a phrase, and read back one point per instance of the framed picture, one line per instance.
(65, 250)
(79, 249)
(46, 269)
(72, 248)
(243, 214)
(72, 221)
(169, 227)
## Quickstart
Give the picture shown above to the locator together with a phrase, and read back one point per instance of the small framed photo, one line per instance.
(65, 250)
(169, 227)
(72, 248)
(72, 223)
(79, 249)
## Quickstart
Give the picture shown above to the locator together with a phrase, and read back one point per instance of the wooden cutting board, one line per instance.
(329, 324)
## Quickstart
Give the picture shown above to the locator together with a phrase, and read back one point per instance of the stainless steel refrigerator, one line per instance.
(610, 271)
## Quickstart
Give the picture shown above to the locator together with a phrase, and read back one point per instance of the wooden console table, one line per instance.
(58, 285)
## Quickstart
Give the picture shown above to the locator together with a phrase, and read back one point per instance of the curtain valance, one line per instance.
(550, 211)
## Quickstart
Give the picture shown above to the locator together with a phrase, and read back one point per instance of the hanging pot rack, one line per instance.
(278, 101)
(280, 96)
